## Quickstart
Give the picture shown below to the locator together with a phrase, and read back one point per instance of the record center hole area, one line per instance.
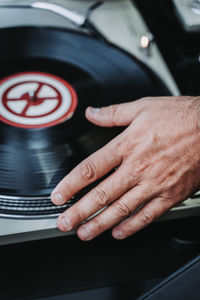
(23, 98)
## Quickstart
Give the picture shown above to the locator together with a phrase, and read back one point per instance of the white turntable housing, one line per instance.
(121, 23)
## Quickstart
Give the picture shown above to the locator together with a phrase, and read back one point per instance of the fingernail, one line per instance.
(84, 233)
(95, 110)
(58, 199)
(65, 223)
(118, 235)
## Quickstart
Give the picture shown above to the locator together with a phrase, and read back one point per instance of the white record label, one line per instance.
(36, 100)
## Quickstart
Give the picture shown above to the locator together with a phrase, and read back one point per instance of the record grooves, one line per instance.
(34, 160)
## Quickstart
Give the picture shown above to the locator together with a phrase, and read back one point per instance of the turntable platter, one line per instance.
(35, 153)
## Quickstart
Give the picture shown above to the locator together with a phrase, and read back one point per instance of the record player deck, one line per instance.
(49, 75)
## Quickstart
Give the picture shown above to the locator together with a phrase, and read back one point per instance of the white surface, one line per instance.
(189, 19)
(15, 231)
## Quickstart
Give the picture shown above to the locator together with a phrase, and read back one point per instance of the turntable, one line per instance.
(58, 57)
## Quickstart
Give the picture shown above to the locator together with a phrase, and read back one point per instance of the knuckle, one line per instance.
(122, 210)
(112, 110)
(77, 214)
(88, 170)
(112, 114)
(167, 202)
(101, 196)
(146, 217)
(118, 150)
(177, 191)
(140, 166)
(66, 187)
(128, 146)
(96, 226)
(153, 139)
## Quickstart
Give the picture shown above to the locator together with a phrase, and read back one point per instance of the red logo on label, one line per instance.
(36, 100)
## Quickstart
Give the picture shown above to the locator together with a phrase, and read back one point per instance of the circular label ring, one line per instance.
(36, 100)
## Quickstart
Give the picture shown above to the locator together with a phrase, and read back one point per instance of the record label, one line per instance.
(36, 100)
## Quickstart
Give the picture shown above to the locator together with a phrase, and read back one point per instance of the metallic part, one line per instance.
(72, 16)
(188, 12)
(93, 7)
(30, 207)
(146, 42)
(15, 231)
(28, 198)
(24, 217)
(195, 7)
(8, 197)
(188, 208)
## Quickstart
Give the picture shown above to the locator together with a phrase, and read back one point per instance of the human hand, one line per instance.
(158, 165)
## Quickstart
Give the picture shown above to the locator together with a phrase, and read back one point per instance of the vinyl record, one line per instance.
(48, 78)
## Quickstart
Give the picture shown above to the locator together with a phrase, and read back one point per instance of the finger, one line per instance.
(99, 197)
(151, 211)
(114, 213)
(92, 168)
(114, 115)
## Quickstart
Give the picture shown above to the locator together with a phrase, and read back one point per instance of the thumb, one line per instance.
(112, 115)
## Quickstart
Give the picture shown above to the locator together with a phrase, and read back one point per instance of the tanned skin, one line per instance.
(157, 161)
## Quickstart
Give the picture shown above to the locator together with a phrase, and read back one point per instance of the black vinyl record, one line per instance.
(34, 160)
